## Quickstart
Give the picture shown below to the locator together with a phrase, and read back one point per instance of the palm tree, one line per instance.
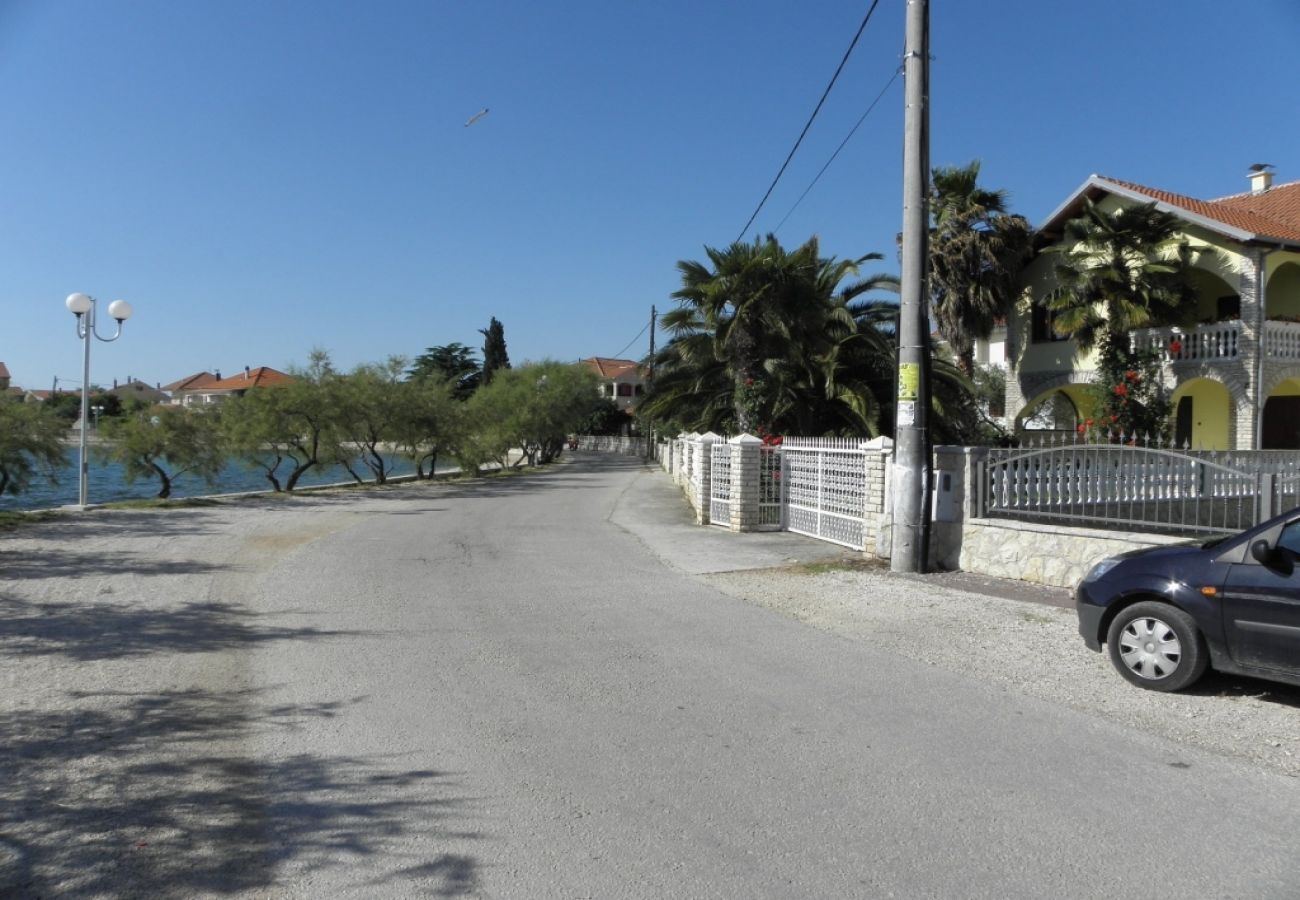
(1119, 271)
(753, 339)
(1123, 270)
(977, 250)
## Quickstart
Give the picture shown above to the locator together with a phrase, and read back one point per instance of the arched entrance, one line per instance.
(1058, 411)
(1202, 412)
(1281, 429)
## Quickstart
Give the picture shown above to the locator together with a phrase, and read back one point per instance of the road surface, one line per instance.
(517, 689)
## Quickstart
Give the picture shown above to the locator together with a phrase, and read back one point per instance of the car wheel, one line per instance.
(1157, 646)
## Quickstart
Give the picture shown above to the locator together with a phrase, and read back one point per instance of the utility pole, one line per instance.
(650, 377)
(911, 474)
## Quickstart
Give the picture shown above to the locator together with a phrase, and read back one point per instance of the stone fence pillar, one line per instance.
(701, 480)
(746, 462)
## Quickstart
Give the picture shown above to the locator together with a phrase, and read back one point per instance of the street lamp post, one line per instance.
(83, 307)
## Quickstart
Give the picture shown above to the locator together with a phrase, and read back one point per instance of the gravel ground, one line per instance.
(1024, 640)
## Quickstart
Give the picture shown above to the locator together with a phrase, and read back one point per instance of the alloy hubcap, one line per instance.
(1150, 648)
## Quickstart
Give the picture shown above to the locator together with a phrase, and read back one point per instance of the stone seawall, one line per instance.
(1044, 554)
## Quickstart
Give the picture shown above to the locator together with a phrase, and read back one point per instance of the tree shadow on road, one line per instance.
(104, 630)
(154, 795)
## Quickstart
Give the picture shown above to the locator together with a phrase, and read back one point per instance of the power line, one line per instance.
(817, 109)
(847, 138)
(620, 353)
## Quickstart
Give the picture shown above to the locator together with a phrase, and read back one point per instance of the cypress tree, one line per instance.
(494, 349)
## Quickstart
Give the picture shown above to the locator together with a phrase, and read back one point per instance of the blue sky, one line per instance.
(259, 179)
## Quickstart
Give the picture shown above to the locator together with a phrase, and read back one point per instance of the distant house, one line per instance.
(4, 377)
(189, 391)
(204, 388)
(135, 389)
(621, 380)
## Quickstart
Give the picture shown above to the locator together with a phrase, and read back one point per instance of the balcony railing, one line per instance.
(1218, 341)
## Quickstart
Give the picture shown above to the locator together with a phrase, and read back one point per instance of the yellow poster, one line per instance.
(909, 381)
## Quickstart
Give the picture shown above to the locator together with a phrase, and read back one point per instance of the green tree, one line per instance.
(31, 444)
(977, 252)
(368, 416)
(285, 430)
(1118, 271)
(533, 408)
(430, 423)
(495, 357)
(765, 339)
(166, 442)
(453, 363)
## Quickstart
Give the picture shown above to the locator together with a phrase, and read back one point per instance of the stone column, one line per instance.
(746, 463)
(879, 511)
(1250, 348)
(703, 464)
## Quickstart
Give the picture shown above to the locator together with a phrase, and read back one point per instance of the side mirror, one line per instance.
(1262, 552)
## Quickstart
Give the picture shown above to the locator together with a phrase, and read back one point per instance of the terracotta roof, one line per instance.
(4, 371)
(1271, 215)
(262, 376)
(611, 368)
(1274, 213)
(192, 383)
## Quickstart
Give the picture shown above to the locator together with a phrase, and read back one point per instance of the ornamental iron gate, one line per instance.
(826, 490)
(720, 484)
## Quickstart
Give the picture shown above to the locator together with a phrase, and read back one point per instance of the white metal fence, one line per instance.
(771, 494)
(1144, 487)
(825, 489)
(720, 485)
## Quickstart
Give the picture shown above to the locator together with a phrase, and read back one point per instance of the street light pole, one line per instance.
(83, 307)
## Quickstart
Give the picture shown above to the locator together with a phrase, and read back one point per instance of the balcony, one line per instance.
(1218, 341)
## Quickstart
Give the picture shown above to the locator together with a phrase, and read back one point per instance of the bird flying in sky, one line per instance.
(478, 115)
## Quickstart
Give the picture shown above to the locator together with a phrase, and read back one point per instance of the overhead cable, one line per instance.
(847, 138)
(816, 110)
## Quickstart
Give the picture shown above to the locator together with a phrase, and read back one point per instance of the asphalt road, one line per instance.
(519, 689)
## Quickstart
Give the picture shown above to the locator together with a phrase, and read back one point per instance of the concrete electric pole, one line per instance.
(911, 422)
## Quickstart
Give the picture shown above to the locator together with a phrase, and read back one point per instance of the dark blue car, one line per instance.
(1166, 613)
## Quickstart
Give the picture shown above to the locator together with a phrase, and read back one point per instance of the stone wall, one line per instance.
(1052, 555)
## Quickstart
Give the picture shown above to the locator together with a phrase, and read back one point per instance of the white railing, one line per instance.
(1282, 340)
(1217, 340)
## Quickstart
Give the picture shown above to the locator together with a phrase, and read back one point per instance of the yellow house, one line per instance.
(1234, 377)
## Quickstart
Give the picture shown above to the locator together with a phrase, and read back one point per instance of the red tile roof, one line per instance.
(262, 376)
(4, 371)
(1274, 213)
(192, 383)
(611, 368)
(1271, 215)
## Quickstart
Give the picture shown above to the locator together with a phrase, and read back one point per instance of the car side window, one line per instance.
(1289, 539)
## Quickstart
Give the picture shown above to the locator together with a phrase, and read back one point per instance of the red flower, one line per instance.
(1131, 375)
(1120, 390)
(1081, 429)
(749, 382)
(1175, 347)
(1114, 419)
(1088, 422)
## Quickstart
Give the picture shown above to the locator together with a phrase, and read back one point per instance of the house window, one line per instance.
(640, 389)
(1228, 308)
(625, 390)
(1042, 322)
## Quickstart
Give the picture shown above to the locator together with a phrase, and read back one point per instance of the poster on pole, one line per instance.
(906, 412)
(909, 390)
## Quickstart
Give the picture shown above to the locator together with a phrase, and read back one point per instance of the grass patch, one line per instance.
(156, 503)
(848, 564)
(12, 521)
